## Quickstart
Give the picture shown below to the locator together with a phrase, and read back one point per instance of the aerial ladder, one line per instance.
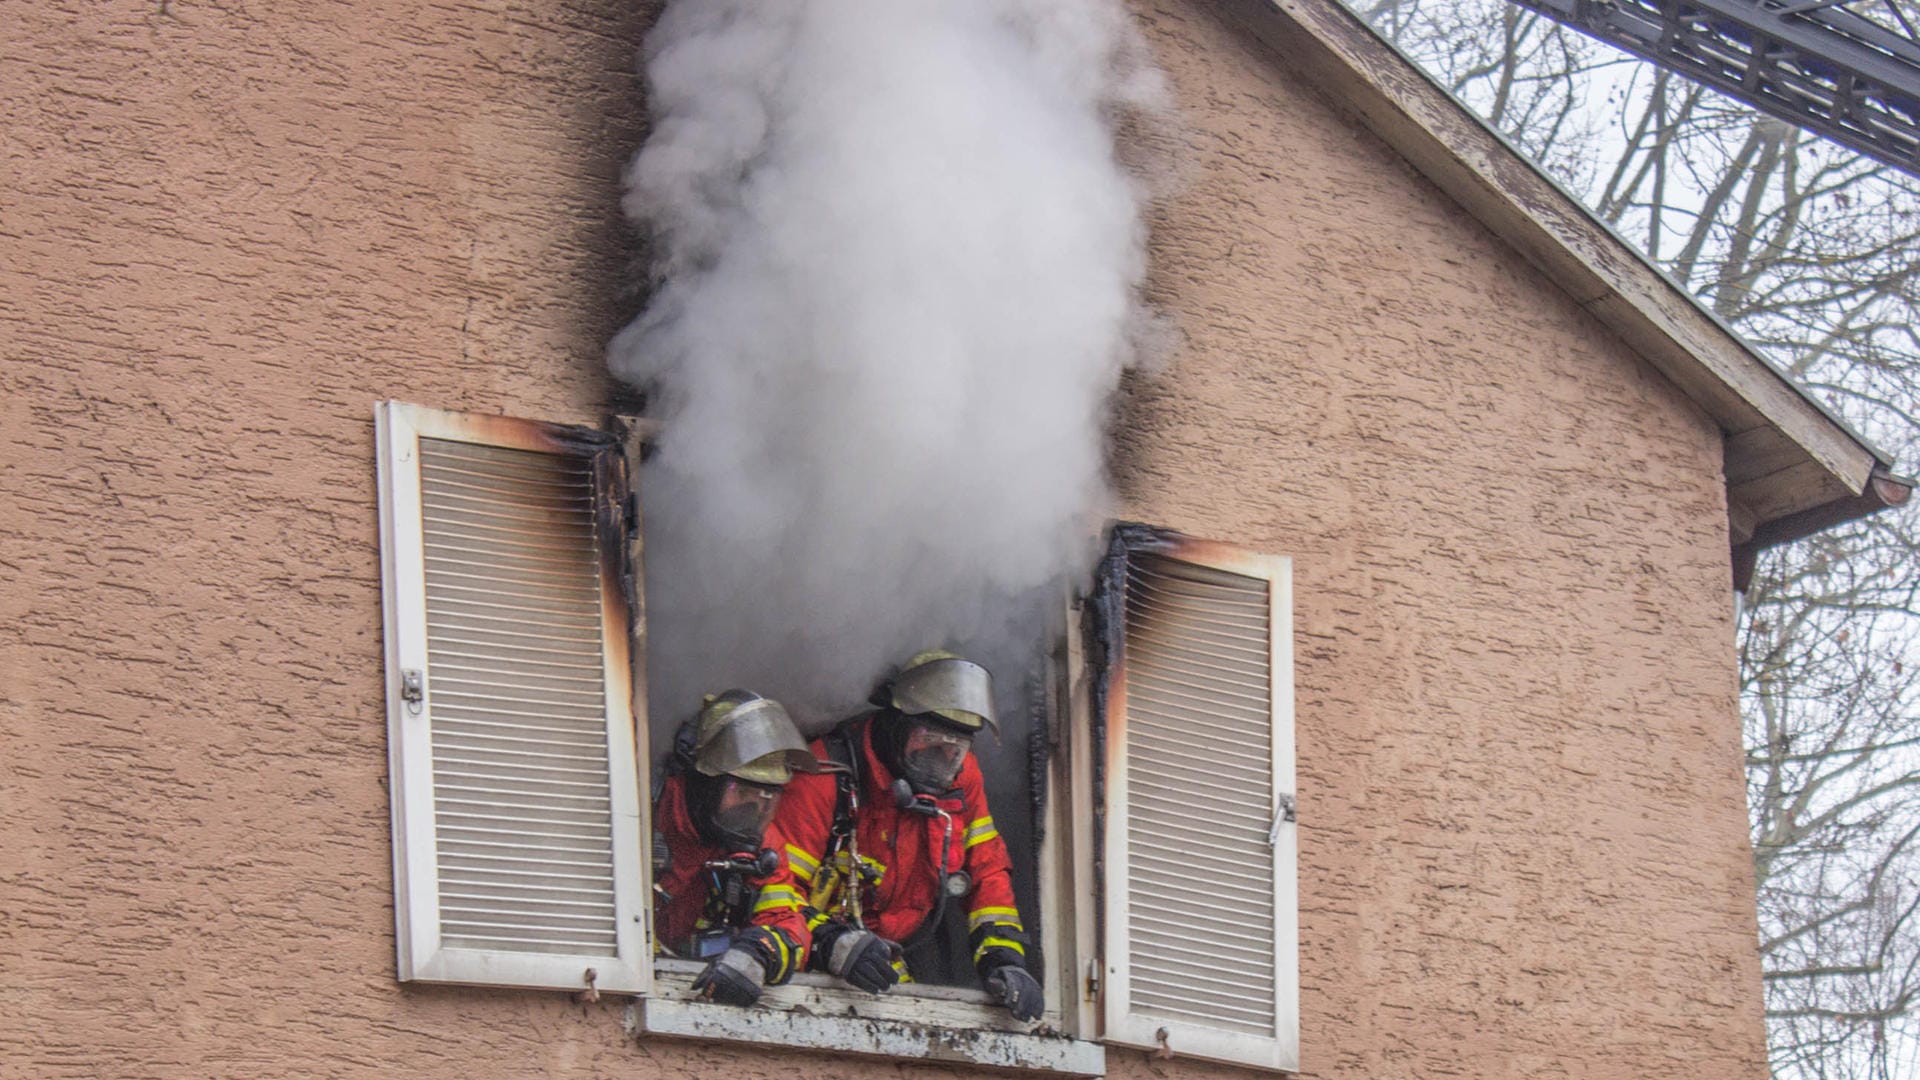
(1845, 69)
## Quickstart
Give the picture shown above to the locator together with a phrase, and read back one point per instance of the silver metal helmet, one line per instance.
(946, 685)
(739, 733)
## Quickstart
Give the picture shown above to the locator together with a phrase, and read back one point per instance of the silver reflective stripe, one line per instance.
(1199, 787)
(522, 812)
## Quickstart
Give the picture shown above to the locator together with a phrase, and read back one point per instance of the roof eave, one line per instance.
(1883, 491)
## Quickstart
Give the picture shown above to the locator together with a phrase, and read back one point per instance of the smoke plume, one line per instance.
(897, 260)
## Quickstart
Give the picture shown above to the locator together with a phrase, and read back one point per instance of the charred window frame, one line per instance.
(916, 1021)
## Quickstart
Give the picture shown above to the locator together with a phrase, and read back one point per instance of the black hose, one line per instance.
(903, 798)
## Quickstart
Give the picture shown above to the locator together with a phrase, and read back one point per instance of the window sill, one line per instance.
(933, 1023)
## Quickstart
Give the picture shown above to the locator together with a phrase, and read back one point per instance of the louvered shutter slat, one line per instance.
(516, 802)
(503, 489)
(1199, 896)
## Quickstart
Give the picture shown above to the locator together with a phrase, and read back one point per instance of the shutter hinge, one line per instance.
(1093, 980)
(413, 690)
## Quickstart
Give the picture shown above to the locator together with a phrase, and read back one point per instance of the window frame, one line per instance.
(420, 954)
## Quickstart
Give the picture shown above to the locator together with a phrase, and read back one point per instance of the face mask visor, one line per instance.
(931, 755)
(743, 809)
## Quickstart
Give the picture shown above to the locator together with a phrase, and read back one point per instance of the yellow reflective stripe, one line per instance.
(817, 920)
(804, 865)
(998, 943)
(980, 824)
(982, 838)
(777, 898)
(994, 915)
(783, 962)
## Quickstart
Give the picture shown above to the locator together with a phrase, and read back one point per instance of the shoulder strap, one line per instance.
(846, 779)
(677, 762)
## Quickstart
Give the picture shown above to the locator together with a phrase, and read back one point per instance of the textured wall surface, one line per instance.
(226, 230)
(1523, 832)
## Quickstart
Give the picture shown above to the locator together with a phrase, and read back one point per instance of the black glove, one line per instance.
(862, 957)
(735, 977)
(1017, 990)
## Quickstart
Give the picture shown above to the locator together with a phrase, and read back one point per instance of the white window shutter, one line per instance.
(514, 782)
(1201, 939)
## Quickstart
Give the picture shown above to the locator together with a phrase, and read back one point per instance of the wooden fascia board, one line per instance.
(1751, 402)
(1884, 491)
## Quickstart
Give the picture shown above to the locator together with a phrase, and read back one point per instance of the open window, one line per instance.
(924, 1020)
(1160, 744)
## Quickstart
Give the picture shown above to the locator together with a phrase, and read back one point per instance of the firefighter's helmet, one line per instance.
(739, 733)
(936, 704)
(946, 685)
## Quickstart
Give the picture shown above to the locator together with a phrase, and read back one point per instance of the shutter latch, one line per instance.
(1285, 814)
(413, 690)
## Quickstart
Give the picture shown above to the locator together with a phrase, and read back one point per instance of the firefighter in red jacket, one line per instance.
(871, 856)
(724, 781)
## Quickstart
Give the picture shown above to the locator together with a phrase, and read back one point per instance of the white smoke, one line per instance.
(899, 261)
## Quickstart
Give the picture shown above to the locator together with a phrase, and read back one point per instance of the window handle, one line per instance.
(1284, 814)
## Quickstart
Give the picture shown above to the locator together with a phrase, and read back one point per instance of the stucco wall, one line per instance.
(225, 230)
(1523, 840)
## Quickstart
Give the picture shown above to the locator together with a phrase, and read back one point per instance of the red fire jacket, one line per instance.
(680, 894)
(684, 896)
(902, 847)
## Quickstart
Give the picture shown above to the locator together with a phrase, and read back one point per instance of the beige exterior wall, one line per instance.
(1523, 833)
(226, 230)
